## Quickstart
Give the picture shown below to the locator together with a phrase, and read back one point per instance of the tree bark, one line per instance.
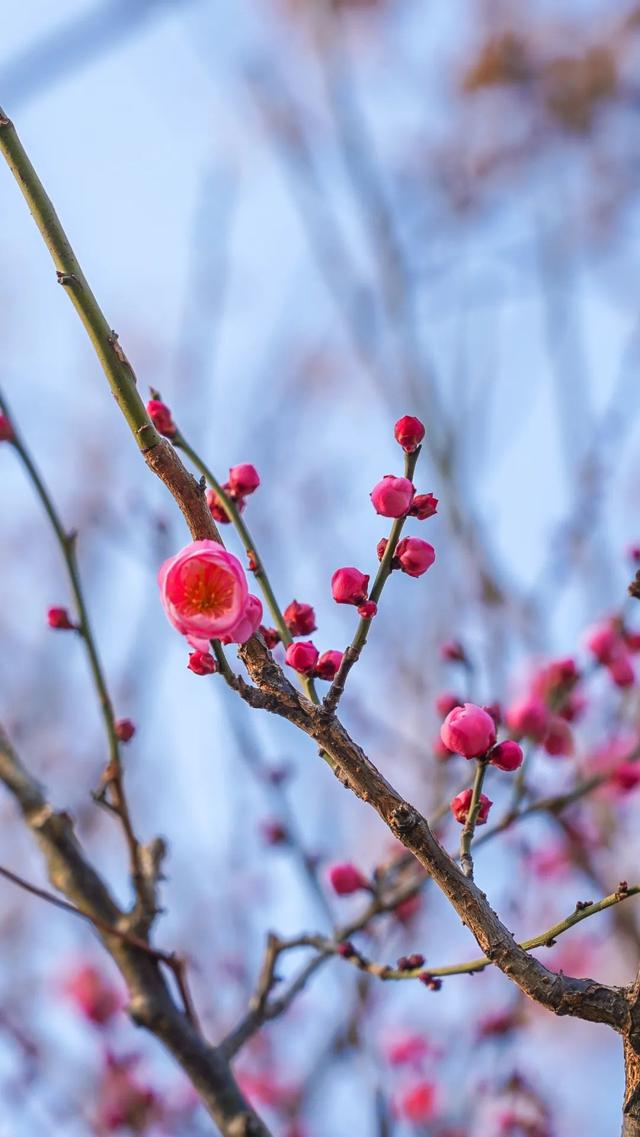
(631, 1107)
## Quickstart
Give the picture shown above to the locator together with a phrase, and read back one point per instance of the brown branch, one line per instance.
(561, 994)
(345, 950)
(151, 1004)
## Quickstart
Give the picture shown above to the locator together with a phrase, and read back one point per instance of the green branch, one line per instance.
(470, 967)
(114, 362)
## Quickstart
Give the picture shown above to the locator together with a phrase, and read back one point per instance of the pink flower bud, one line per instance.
(345, 878)
(92, 995)
(300, 618)
(160, 416)
(415, 556)
(407, 1049)
(453, 652)
(328, 664)
(125, 730)
(528, 716)
(460, 807)
(560, 674)
(381, 547)
(271, 636)
(626, 776)
(217, 509)
(6, 429)
(204, 592)
(392, 496)
(202, 663)
(602, 640)
(410, 962)
(440, 751)
(468, 730)
(430, 981)
(498, 1023)
(573, 706)
(243, 480)
(408, 909)
(634, 553)
(495, 710)
(424, 505)
(417, 1104)
(446, 702)
(632, 640)
(59, 618)
(620, 669)
(507, 755)
(349, 586)
(302, 656)
(346, 950)
(558, 740)
(409, 432)
(274, 833)
(367, 610)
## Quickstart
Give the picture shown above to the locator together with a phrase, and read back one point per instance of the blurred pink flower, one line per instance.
(97, 1000)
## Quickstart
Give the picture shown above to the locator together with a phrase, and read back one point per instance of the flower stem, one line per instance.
(466, 861)
(352, 654)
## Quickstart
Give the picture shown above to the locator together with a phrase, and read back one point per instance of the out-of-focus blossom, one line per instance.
(417, 1103)
(345, 878)
(90, 992)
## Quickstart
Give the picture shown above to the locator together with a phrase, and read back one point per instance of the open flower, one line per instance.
(204, 593)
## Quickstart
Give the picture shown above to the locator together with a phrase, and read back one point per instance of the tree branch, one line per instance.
(151, 1004)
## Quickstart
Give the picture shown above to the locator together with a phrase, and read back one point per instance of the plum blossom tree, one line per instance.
(528, 745)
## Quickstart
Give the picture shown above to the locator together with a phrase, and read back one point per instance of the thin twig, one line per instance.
(172, 961)
(582, 911)
(114, 775)
(353, 652)
(466, 837)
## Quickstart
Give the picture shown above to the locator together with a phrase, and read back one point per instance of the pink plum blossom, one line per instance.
(468, 730)
(392, 496)
(204, 593)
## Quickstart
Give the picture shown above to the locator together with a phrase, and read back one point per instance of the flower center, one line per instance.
(208, 589)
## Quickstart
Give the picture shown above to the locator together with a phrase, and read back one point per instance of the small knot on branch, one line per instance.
(403, 818)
